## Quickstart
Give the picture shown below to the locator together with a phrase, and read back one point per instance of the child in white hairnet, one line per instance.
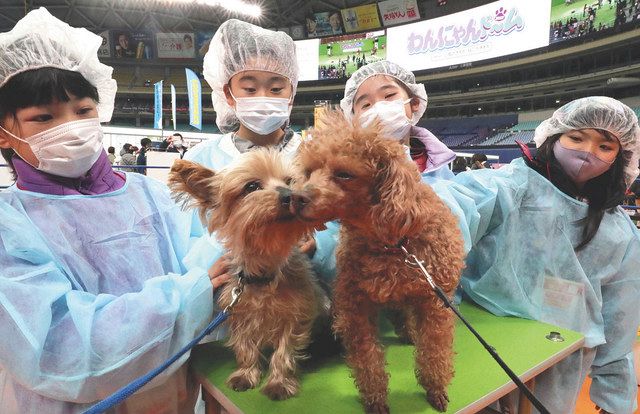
(549, 241)
(389, 93)
(93, 291)
(253, 74)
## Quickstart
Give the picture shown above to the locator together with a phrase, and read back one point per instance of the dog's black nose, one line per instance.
(284, 194)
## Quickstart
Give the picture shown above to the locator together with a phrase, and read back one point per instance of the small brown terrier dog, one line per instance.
(250, 207)
(369, 184)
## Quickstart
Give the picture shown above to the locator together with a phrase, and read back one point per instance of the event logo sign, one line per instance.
(361, 18)
(194, 91)
(175, 45)
(398, 11)
(496, 29)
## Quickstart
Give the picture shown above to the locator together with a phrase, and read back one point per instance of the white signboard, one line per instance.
(175, 45)
(496, 29)
(307, 52)
(398, 11)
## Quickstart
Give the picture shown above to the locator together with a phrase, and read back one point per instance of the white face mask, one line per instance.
(262, 115)
(67, 150)
(392, 116)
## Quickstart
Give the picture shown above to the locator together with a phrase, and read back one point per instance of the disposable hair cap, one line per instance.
(40, 40)
(239, 46)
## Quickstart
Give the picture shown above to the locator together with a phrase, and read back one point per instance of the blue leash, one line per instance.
(126, 391)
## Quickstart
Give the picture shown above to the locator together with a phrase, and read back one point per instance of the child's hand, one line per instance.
(307, 245)
(219, 271)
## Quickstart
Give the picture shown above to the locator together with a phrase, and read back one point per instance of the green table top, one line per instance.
(326, 385)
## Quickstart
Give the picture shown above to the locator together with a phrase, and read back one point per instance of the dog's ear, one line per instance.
(396, 212)
(194, 185)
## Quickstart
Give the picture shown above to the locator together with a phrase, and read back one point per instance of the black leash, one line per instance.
(412, 261)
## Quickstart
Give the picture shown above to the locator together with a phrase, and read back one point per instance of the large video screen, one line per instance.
(340, 56)
(576, 18)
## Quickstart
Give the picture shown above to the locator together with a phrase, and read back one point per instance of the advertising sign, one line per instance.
(175, 45)
(361, 18)
(132, 45)
(398, 11)
(495, 29)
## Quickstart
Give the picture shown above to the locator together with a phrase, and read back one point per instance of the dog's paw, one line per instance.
(240, 382)
(438, 399)
(377, 408)
(281, 390)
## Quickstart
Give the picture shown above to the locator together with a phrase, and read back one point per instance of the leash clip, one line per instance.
(235, 296)
(412, 261)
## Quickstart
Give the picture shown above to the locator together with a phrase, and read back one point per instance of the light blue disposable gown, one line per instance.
(522, 263)
(218, 152)
(93, 294)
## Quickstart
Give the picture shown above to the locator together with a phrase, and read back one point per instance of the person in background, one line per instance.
(145, 145)
(478, 161)
(548, 241)
(111, 155)
(129, 158)
(177, 142)
(93, 289)
(387, 92)
(253, 75)
(125, 149)
(459, 165)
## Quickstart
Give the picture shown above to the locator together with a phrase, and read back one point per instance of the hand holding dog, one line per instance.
(219, 271)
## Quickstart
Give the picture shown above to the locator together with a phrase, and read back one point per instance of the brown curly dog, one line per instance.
(374, 189)
(249, 205)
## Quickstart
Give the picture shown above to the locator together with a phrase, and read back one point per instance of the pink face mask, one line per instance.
(580, 166)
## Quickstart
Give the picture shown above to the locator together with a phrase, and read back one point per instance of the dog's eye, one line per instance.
(252, 186)
(288, 180)
(307, 173)
(343, 175)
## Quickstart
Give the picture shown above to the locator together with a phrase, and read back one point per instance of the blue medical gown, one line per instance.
(443, 173)
(93, 294)
(218, 152)
(520, 231)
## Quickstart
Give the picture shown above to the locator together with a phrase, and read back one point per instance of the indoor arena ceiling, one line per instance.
(165, 15)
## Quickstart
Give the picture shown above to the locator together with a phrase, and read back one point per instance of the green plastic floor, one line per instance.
(326, 385)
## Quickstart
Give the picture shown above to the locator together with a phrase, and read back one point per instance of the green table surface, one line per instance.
(326, 384)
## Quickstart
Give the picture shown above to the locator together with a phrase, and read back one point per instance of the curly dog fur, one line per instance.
(249, 205)
(369, 184)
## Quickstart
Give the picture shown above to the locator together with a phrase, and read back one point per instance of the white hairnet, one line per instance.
(40, 40)
(598, 112)
(383, 67)
(238, 46)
